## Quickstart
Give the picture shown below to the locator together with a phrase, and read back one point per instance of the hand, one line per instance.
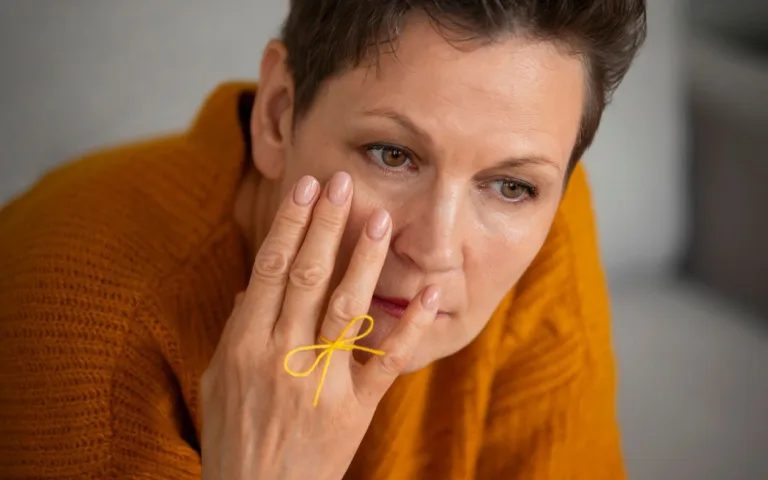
(259, 421)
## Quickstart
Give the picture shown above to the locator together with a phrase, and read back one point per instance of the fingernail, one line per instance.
(378, 224)
(430, 297)
(305, 190)
(338, 191)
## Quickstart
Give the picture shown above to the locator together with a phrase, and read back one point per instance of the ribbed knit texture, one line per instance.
(117, 273)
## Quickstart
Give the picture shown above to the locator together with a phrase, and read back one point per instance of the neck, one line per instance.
(255, 206)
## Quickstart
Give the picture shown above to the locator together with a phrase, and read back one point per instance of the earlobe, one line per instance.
(272, 116)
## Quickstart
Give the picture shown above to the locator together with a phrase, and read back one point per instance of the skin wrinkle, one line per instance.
(506, 124)
(513, 98)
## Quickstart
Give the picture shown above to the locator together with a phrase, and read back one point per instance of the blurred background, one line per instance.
(679, 173)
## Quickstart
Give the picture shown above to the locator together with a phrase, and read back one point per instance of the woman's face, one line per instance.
(467, 150)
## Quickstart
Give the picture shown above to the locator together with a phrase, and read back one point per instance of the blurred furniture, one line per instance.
(693, 393)
(693, 386)
(728, 108)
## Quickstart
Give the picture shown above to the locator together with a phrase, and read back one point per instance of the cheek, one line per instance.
(504, 255)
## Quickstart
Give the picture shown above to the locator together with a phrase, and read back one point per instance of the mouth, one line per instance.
(394, 306)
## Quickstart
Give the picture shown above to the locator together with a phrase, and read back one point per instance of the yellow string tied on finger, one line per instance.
(328, 347)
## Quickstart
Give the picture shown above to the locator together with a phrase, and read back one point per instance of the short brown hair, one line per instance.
(326, 37)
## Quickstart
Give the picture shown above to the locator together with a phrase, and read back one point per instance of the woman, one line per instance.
(411, 160)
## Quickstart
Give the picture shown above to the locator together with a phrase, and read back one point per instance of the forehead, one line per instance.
(512, 91)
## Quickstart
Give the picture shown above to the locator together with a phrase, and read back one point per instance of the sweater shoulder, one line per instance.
(127, 214)
(87, 245)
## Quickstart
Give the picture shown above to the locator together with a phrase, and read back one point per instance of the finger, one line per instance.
(266, 288)
(238, 300)
(375, 377)
(353, 295)
(312, 269)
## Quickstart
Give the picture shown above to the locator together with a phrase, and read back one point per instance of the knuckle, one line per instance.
(370, 254)
(395, 363)
(329, 221)
(418, 324)
(343, 306)
(289, 222)
(270, 265)
(309, 276)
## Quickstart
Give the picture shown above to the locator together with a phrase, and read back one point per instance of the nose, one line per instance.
(431, 234)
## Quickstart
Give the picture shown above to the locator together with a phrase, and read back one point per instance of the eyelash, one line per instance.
(531, 192)
(387, 169)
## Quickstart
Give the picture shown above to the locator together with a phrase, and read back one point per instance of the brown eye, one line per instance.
(511, 190)
(391, 157)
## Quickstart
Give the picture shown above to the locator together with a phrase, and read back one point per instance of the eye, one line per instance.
(513, 191)
(389, 156)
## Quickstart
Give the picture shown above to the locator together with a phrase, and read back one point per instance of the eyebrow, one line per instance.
(409, 125)
(522, 161)
(403, 121)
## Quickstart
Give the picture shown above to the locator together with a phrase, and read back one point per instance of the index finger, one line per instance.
(269, 275)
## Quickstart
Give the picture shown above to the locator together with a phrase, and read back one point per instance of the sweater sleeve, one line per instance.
(85, 393)
(552, 413)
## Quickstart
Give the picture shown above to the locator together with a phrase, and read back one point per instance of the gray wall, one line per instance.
(83, 73)
(732, 14)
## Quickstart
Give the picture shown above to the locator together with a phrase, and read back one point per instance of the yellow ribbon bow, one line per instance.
(328, 347)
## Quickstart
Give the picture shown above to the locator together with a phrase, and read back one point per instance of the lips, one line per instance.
(394, 306)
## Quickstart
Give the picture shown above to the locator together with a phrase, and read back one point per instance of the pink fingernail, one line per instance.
(430, 297)
(305, 190)
(378, 225)
(338, 190)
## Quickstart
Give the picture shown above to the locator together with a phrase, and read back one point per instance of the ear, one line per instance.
(272, 115)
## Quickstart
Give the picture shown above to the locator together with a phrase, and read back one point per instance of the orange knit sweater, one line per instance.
(118, 270)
